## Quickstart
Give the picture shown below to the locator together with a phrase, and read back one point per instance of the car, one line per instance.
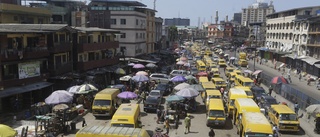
(159, 77)
(193, 70)
(257, 92)
(155, 93)
(164, 88)
(179, 72)
(266, 101)
(151, 104)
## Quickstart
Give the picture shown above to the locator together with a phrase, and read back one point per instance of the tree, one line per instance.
(173, 33)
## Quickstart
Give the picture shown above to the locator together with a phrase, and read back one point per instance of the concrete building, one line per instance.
(256, 12)
(150, 30)
(176, 22)
(237, 18)
(220, 31)
(160, 40)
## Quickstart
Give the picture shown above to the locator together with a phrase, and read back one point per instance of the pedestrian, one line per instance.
(159, 113)
(296, 107)
(211, 133)
(300, 76)
(247, 66)
(167, 125)
(143, 96)
(187, 122)
(275, 130)
(270, 89)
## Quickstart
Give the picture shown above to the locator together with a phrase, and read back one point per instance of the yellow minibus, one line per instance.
(212, 94)
(219, 82)
(232, 95)
(105, 102)
(247, 90)
(200, 65)
(243, 105)
(255, 124)
(107, 131)
(285, 118)
(203, 79)
(127, 115)
(216, 114)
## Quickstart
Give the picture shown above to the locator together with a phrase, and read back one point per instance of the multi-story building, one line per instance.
(176, 22)
(150, 30)
(256, 13)
(160, 40)
(237, 17)
(220, 31)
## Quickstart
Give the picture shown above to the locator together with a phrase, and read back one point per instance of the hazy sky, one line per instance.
(193, 9)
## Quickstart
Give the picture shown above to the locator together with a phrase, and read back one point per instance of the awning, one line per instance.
(138, 60)
(317, 65)
(22, 89)
(310, 60)
(292, 56)
(264, 48)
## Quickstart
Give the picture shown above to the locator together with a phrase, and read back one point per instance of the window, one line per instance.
(123, 35)
(123, 22)
(113, 21)
(137, 35)
(137, 22)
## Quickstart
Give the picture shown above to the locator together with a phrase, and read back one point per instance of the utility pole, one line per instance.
(154, 4)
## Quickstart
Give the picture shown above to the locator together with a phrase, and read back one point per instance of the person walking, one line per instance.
(300, 76)
(167, 125)
(296, 107)
(270, 89)
(159, 113)
(211, 133)
(187, 122)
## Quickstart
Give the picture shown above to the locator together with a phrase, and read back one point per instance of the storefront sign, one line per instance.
(29, 69)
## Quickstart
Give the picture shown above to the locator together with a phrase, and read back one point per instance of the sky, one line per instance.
(193, 9)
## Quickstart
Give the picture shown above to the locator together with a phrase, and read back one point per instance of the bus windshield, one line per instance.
(216, 113)
(123, 125)
(257, 135)
(288, 117)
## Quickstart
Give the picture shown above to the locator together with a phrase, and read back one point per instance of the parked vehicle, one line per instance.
(156, 93)
(193, 70)
(257, 92)
(164, 88)
(151, 104)
(178, 72)
(266, 102)
(159, 77)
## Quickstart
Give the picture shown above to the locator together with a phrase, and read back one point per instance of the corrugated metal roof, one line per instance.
(31, 28)
(92, 29)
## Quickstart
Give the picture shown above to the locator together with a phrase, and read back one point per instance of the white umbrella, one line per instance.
(231, 58)
(59, 96)
(181, 86)
(131, 64)
(181, 63)
(73, 89)
(125, 78)
(86, 88)
(226, 55)
(151, 65)
(313, 109)
(188, 93)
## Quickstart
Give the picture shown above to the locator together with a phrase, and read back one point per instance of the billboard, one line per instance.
(29, 69)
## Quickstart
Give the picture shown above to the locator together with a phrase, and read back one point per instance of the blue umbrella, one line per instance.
(174, 98)
(140, 78)
(127, 95)
(178, 78)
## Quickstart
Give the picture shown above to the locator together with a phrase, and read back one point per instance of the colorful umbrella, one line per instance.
(279, 79)
(174, 98)
(256, 72)
(125, 78)
(58, 97)
(138, 66)
(197, 87)
(181, 63)
(188, 93)
(178, 78)
(142, 73)
(190, 77)
(86, 88)
(247, 71)
(131, 64)
(151, 65)
(183, 59)
(120, 71)
(181, 86)
(127, 95)
(7, 131)
(140, 78)
(202, 74)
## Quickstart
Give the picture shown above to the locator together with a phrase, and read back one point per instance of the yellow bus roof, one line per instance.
(244, 88)
(246, 105)
(125, 111)
(247, 80)
(203, 79)
(218, 79)
(106, 93)
(211, 86)
(213, 92)
(237, 92)
(99, 131)
(283, 109)
(229, 68)
(216, 104)
(256, 122)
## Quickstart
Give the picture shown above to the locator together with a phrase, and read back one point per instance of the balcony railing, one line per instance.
(97, 46)
(83, 66)
(61, 47)
(18, 82)
(26, 53)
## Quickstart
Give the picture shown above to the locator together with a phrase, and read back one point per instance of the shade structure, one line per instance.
(58, 97)
(187, 65)
(197, 87)
(202, 74)
(188, 93)
(313, 109)
(256, 72)
(6, 131)
(232, 58)
(125, 78)
(181, 63)
(178, 78)
(183, 59)
(140, 78)
(138, 66)
(190, 77)
(73, 89)
(151, 65)
(279, 79)
(131, 64)
(142, 73)
(174, 98)
(127, 95)
(226, 55)
(60, 107)
(86, 88)
(181, 86)
(247, 71)
(120, 71)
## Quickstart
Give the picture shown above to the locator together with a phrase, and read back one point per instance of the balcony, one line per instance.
(27, 53)
(60, 47)
(83, 66)
(97, 46)
(19, 82)
(61, 69)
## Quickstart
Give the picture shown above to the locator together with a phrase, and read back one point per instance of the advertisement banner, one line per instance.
(29, 69)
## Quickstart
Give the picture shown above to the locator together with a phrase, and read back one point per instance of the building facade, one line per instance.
(160, 40)
(176, 22)
(150, 30)
(256, 12)
(220, 31)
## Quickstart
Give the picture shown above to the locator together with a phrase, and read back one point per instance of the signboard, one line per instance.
(29, 69)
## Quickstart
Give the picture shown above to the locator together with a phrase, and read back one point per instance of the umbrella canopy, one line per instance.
(120, 71)
(142, 73)
(282, 65)
(202, 74)
(187, 65)
(232, 58)
(197, 87)
(256, 72)
(138, 66)
(125, 78)
(131, 64)
(313, 109)
(181, 86)
(140, 78)
(174, 98)
(73, 89)
(7, 131)
(151, 65)
(178, 78)
(226, 55)
(247, 71)
(86, 88)
(188, 93)
(127, 95)
(190, 77)
(183, 59)
(181, 63)
(59, 96)
(279, 79)
(60, 107)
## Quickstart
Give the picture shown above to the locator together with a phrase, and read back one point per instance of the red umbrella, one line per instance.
(279, 79)
(202, 74)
